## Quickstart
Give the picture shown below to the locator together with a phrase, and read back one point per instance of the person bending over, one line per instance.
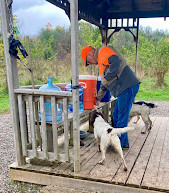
(118, 78)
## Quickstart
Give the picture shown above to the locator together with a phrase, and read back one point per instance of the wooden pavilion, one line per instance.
(148, 154)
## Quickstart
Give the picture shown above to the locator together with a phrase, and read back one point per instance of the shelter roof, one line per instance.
(100, 12)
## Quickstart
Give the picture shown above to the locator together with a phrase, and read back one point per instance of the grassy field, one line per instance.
(4, 101)
(147, 92)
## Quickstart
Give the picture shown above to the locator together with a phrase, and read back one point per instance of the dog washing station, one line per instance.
(64, 162)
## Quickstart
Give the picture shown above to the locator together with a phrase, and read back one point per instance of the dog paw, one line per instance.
(98, 150)
(100, 162)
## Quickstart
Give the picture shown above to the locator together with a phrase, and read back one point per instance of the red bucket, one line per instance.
(89, 84)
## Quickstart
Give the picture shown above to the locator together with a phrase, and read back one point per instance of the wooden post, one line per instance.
(136, 54)
(112, 109)
(104, 33)
(39, 139)
(105, 111)
(23, 124)
(54, 128)
(32, 124)
(75, 82)
(44, 129)
(30, 61)
(13, 81)
(66, 129)
(71, 133)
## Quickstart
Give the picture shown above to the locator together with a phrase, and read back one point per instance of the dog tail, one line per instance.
(150, 105)
(120, 130)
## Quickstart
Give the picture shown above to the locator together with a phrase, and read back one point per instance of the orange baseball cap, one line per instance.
(84, 53)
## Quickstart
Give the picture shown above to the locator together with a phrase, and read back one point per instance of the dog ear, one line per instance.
(93, 117)
(99, 113)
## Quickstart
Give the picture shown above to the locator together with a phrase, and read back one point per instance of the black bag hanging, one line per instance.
(13, 45)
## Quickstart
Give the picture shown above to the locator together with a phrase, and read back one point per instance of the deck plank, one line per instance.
(66, 168)
(63, 168)
(147, 161)
(163, 174)
(89, 158)
(121, 176)
(113, 161)
(151, 172)
(88, 153)
(91, 161)
(137, 173)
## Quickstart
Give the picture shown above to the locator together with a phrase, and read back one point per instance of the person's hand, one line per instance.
(97, 103)
(104, 82)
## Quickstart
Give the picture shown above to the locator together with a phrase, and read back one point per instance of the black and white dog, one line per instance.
(142, 109)
(106, 135)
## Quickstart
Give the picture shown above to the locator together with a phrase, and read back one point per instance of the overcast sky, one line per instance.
(33, 15)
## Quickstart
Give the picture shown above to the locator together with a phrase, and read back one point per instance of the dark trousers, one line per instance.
(122, 111)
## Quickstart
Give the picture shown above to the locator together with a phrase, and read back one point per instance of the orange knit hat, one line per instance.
(84, 53)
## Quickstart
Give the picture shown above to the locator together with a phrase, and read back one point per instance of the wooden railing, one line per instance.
(34, 131)
(40, 139)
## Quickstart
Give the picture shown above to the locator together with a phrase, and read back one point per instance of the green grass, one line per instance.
(22, 187)
(4, 101)
(147, 92)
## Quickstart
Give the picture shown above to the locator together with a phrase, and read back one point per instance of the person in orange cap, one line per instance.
(87, 55)
(118, 78)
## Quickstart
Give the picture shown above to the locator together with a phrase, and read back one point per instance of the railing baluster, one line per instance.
(43, 124)
(54, 127)
(105, 112)
(32, 125)
(39, 138)
(66, 128)
(23, 126)
(35, 97)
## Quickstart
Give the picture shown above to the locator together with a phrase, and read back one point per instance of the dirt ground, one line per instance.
(58, 189)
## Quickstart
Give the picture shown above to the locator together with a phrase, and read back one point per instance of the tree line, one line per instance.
(51, 52)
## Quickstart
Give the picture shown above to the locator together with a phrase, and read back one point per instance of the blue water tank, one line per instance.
(48, 109)
(81, 107)
(107, 96)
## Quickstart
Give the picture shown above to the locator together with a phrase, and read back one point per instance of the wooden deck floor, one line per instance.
(147, 160)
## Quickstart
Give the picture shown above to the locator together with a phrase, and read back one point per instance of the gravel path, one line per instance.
(7, 152)
(162, 109)
(7, 157)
